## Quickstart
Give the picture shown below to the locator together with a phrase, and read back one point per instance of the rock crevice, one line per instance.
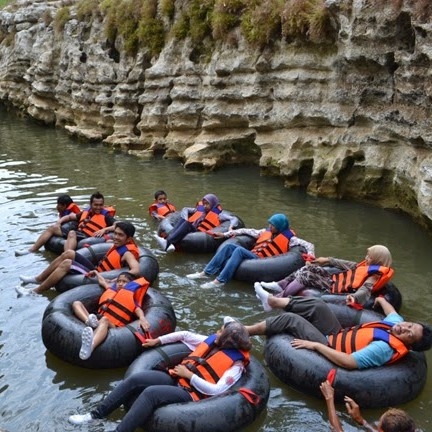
(349, 120)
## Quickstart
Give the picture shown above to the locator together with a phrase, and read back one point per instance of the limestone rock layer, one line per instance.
(350, 120)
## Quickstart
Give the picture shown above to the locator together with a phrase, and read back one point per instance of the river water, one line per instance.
(38, 391)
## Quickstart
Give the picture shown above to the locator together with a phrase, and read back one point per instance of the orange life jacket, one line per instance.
(71, 208)
(90, 223)
(162, 209)
(266, 246)
(119, 305)
(355, 338)
(112, 259)
(210, 363)
(211, 219)
(351, 280)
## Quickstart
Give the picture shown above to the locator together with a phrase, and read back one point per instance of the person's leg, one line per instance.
(215, 265)
(80, 311)
(305, 318)
(291, 289)
(237, 257)
(69, 255)
(147, 402)
(316, 311)
(179, 232)
(53, 230)
(71, 241)
(130, 386)
(101, 332)
(55, 271)
(73, 238)
(83, 314)
(295, 325)
(91, 339)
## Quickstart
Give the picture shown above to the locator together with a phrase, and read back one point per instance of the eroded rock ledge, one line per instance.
(348, 121)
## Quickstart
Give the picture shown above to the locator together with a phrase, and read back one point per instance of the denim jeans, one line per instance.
(227, 260)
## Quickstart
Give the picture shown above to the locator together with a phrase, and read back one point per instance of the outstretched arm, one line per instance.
(385, 305)
(328, 392)
(354, 411)
(339, 358)
(104, 283)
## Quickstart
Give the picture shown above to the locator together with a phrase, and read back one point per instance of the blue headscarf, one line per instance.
(279, 221)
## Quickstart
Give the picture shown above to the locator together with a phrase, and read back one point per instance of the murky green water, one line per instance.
(38, 392)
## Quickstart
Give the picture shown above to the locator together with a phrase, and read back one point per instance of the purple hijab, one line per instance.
(212, 199)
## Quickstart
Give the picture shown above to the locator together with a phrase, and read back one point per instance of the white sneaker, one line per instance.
(79, 419)
(262, 295)
(272, 286)
(161, 242)
(228, 320)
(22, 292)
(171, 248)
(92, 321)
(28, 279)
(197, 275)
(212, 284)
(22, 252)
(86, 343)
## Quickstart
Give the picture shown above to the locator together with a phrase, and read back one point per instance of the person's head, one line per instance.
(378, 255)
(278, 223)
(63, 201)
(123, 233)
(233, 335)
(209, 201)
(160, 196)
(396, 420)
(123, 278)
(96, 202)
(416, 336)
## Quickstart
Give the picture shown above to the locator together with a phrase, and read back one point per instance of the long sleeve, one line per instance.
(186, 212)
(296, 241)
(342, 264)
(191, 340)
(245, 231)
(227, 380)
(233, 220)
(363, 293)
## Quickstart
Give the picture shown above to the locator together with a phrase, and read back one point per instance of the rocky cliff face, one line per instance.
(351, 120)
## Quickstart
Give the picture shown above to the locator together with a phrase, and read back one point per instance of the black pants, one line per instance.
(179, 232)
(151, 389)
(305, 318)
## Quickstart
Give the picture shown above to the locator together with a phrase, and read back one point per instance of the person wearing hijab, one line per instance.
(207, 215)
(358, 280)
(277, 239)
(226, 352)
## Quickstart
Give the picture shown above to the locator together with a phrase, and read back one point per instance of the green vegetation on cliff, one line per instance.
(148, 24)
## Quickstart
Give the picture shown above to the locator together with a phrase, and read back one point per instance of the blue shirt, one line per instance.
(376, 353)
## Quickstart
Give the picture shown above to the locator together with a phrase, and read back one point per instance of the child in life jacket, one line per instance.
(65, 206)
(124, 297)
(161, 207)
(207, 215)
